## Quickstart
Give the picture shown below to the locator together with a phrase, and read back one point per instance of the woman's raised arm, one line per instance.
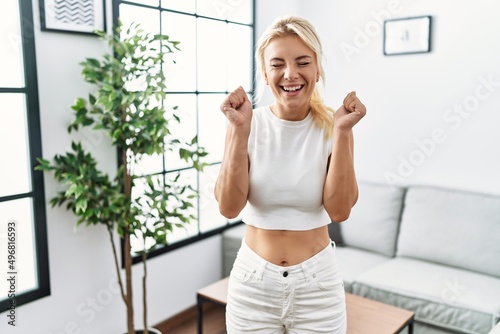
(341, 189)
(231, 187)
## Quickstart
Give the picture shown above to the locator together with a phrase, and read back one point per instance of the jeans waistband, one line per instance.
(307, 268)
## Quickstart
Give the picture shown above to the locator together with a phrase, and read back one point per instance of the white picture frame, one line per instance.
(407, 35)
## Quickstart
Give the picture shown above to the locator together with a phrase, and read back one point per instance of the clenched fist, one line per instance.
(349, 114)
(238, 109)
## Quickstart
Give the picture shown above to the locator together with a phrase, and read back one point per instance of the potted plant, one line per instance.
(128, 104)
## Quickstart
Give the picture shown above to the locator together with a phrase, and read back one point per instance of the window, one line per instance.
(23, 240)
(216, 41)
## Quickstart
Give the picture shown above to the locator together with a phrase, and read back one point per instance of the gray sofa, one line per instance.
(431, 250)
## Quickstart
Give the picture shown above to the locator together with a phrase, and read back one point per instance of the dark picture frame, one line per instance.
(407, 35)
(73, 16)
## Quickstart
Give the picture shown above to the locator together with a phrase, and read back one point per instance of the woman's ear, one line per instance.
(265, 78)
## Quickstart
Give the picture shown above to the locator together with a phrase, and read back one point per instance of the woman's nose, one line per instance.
(291, 73)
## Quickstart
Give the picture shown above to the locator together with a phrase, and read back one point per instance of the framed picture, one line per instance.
(407, 35)
(72, 16)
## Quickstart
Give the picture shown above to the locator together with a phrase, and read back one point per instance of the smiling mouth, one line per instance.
(291, 89)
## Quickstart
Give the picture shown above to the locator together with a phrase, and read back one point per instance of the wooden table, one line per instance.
(369, 316)
(363, 315)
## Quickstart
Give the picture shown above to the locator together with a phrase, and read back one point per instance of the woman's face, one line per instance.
(291, 71)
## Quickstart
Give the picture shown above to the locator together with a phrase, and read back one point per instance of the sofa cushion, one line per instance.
(452, 227)
(352, 262)
(449, 297)
(374, 220)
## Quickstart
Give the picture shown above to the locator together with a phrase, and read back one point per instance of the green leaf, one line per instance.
(92, 99)
(71, 190)
(93, 62)
(79, 104)
(81, 206)
(184, 154)
(43, 165)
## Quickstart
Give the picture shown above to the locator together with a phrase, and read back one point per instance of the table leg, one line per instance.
(410, 327)
(199, 316)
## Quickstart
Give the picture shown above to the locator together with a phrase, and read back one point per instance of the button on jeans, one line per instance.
(264, 298)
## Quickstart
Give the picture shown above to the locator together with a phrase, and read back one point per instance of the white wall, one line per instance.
(84, 298)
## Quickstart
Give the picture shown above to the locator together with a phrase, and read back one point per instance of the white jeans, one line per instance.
(265, 298)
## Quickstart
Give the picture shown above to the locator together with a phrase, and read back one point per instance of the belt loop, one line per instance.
(305, 273)
(262, 269)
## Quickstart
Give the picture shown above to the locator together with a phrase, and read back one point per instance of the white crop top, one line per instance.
(288, 166)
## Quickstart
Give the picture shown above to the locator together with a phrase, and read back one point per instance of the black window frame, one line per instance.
(37, 194)
(229, 224)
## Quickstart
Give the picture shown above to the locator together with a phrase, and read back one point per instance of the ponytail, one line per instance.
(322, 114)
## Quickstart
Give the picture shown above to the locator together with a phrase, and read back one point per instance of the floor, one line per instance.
(213, 323)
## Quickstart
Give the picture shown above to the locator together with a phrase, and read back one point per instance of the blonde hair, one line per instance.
(296, 26)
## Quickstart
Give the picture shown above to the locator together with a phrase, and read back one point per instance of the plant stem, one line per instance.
(127, 181)
(115, 256)
(144, 292)
(128, 278)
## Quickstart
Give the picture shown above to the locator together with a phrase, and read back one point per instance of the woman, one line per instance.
(290, 165)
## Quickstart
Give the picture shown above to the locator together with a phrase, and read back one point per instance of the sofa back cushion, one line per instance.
(452, 227)
(374, 220)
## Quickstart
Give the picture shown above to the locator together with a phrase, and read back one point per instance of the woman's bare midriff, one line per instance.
(286, 248)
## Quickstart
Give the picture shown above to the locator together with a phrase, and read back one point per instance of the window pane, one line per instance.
(185, 130)
(149, 164)
(239, 66)
(181, 75)
(212, 8)
(232, 10)
(187, 177)
(187, 6)
(15, 176)
(20, 213)
(136, 241)
(148, 18)
(210, 216)
(212, 55)
(240, 11)
(11, 56)
(211, 125)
